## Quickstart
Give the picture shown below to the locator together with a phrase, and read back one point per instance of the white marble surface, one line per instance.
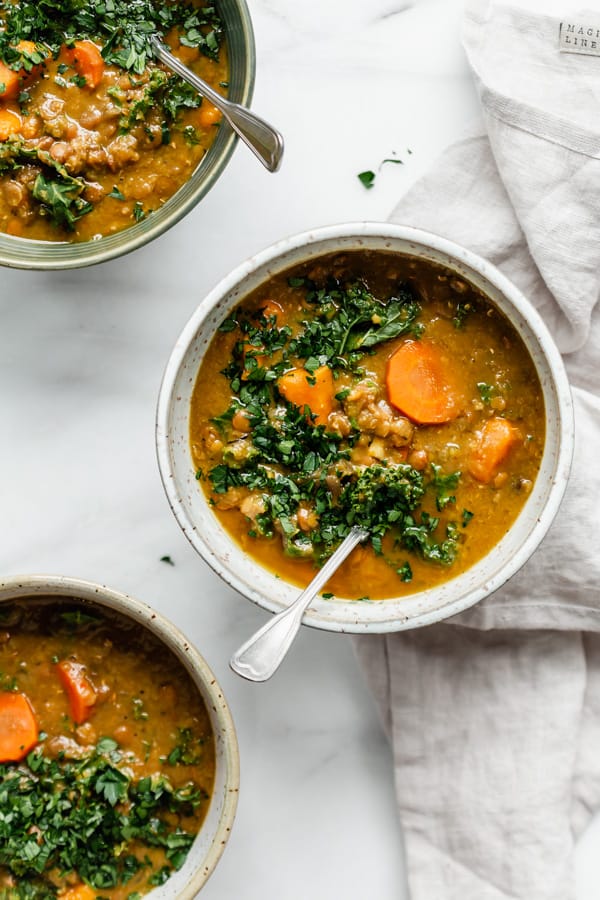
(81, 356)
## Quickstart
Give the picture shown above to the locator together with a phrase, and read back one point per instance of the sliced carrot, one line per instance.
(80, 690)
(10, 123)
(14, 81)
(86, 59)
(494, 443)
(10, 83)
(78, 892)
(419, 384)
(18, 727)
(314, 390)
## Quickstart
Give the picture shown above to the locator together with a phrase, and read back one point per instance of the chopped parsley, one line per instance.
(461, 313)
(116, 194)
(405, 572)
(139, 212)
(82, 816)
(124, 28)
(467, 515)
(167, 560)
(443, 484)
(486, 392)
(367, 178)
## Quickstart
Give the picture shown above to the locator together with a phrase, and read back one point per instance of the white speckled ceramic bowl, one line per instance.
(214, 833)
(23, 253)
(260, 585)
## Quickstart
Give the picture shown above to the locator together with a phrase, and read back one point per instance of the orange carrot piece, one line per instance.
(18, 727)
(15, 81)
(80, 690)
(495, 441)
(208, 115)
(87, 61)
(10, 123)
(312, 389)
(419, 385)
(11, 82)
(78, 892)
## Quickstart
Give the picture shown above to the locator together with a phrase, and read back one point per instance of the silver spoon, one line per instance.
(264, 140)
(262, 655)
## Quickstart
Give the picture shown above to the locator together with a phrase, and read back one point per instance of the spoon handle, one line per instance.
(262, 655)
(264, 140)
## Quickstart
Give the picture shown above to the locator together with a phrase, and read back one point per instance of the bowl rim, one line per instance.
(46, 585)
(358, 231)
(37, 255)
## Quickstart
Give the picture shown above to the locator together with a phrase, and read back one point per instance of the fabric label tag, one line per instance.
(579, 37)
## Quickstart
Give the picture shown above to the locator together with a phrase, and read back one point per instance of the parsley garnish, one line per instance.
(116, 193)
(405, 572)
(486, 392)
(443, 485)
(138, 211)
(123, 28)
(82, 815)
(168, 560)
(367, 179)
(462, 311)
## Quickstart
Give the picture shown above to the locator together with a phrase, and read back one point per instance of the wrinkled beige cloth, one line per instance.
(494, 716)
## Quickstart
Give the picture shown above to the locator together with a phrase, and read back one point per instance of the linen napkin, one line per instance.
(494, 716)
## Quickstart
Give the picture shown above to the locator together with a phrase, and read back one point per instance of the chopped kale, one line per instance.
(60, 199)
(58, 193)
(289, 462)
(349, 320)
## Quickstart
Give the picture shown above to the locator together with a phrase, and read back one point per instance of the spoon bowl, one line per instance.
(263, 653)
(265, 141)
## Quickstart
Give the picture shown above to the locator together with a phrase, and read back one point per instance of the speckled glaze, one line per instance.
(261, 586)
(212, 838)
(23, 253)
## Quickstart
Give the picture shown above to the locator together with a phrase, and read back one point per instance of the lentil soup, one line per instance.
(375, 389)
(94, 134)
(107, 755)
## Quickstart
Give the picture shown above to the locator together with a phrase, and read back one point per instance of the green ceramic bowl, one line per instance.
(23, 253)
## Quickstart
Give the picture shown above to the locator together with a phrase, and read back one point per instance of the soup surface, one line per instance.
(94, 134)
(367, 388)
(106, 755)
